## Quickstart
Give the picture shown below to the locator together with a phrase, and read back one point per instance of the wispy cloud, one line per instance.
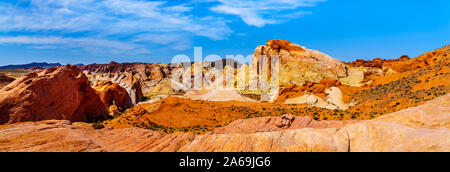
(173, 40)
(104, 19)
(133, 25)
(260, 13)
(56, 42)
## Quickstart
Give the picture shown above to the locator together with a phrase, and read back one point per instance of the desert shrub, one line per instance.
(98, 126)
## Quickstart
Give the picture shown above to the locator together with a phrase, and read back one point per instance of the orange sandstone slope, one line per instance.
(392, 84)
(411, 82)
(420, 129)
(175, 114)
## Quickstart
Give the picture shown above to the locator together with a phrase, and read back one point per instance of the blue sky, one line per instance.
(99, 31)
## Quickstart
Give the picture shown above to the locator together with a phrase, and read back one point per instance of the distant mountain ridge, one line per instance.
(31, 65)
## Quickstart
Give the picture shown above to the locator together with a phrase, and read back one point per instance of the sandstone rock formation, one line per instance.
(136, 78)
(356, 76)
(34, 68)
(324, 94)
(259, 135)
(434, 115)
(380, 67)
(298, 64)
(207, 75)
(55, 93)
(126, 80)
(5, 80)
(225, 95)
(113, 94)
(376, 63)
(402, 83)
(278, 123)
(134, 89)
(292, 90)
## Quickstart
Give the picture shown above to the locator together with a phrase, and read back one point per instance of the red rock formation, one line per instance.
(112, 67)
(425, 60)
(404, 63)
(113, 94)
(5, 79)
(55, 93)
(143, 71)
(36, 68)
(135, 77)
(375, 63)
(134, 89)
(292, 90)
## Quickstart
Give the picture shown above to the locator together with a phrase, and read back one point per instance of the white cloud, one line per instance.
(132, 25)
(174, 41)
(55, 42)
(260, 13)
(108, 19)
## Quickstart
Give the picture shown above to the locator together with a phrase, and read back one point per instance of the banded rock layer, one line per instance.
(421, 132)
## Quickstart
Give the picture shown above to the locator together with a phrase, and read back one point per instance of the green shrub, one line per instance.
(98, 126)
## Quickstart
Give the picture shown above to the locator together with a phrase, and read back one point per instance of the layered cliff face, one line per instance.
(298, 64)
(55, 93)
(136, 78)
(423, 128)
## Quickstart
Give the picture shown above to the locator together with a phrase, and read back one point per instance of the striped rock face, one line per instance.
(298, 64)
(55, 93)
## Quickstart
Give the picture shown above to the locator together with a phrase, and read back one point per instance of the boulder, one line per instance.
(113, 94)
(55, 93)
(298, 64)
(286, 121)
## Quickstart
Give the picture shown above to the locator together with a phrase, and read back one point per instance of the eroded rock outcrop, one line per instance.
(55, 93)
(298, 64)
(135, 77)
(292, 90)
(377, 62)
(324, 94)
(5, 79)
(112, 94)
